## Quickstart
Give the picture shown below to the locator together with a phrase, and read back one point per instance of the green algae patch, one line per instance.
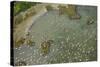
(19, 42)
(30, 42)
(45, 46)
(69, 10)
(49, 7)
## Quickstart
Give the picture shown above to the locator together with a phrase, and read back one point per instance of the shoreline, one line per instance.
(24, 27)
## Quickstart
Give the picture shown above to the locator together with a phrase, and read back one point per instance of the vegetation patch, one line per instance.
(49, 7)
(30, 42)
(22, 6)
(70, 10)
(19, 42)
(45, 47)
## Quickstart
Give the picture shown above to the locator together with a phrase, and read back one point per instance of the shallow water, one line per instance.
(74, 40)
